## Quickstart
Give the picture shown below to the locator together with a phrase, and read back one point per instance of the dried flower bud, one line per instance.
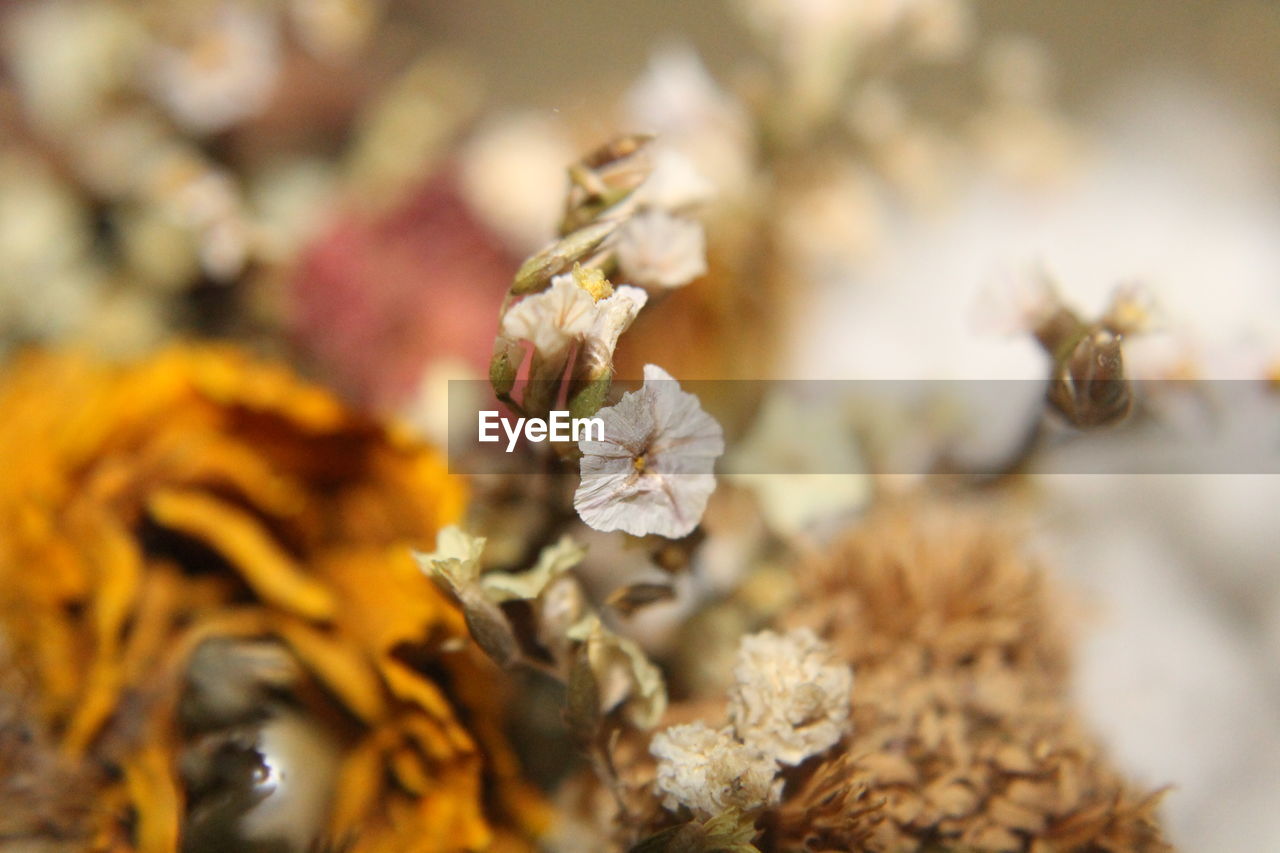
(605, 178)
(1089, 387)
(560, 256)
(628, 599)
(728, 832)
(505, 364)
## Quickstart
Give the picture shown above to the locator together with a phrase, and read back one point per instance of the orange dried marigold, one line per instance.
(203, 558)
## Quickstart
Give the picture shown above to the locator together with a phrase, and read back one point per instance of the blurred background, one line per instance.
(350, 184)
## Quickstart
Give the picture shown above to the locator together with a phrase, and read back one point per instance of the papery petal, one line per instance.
(656, 248)
(553, 319)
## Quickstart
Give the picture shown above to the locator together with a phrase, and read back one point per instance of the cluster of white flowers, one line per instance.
(652, 470)
(790, 701)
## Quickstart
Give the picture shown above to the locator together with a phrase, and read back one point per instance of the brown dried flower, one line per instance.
(962, 726)
(962, 736)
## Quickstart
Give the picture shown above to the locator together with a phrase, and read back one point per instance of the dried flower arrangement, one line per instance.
(240, 610)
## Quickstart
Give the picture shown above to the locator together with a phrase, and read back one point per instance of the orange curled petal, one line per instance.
(150, 783)
(412, 687)
(263, 564)
(118, 573)
(429, 736)
(226, 377)
(407, 765)
(339, 666)
(185, 457)
(359, 788)
(157, 604)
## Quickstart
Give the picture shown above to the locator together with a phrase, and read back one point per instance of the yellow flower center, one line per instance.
(592, 281)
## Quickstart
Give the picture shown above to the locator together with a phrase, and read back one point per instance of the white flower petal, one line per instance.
(674, 183)
(553, 319)
(658, 249)
(527, 585)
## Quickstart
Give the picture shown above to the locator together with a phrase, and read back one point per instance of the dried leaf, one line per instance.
(554, 559)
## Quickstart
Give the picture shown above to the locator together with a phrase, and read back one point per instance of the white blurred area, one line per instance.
(1179, 665)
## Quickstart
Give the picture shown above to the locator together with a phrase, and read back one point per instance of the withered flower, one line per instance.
(962, 723)
(711, 771)
(203, 498)
(962, 735)
(651, 471)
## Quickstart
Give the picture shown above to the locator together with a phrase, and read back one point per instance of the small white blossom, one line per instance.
(335, 29)
(566, 313)
(710, 772)
(677, 94)
(791, 699)
(674, 183)
(68, 59)
(658, 249)
(226, 74)
(801, 460)
(652, 471)
(511, 173)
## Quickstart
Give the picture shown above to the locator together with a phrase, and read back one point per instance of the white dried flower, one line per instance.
(801, 460)
(677, 94)
(511, 173)
(791, 699)
(613, 317)
(710, 772)
(227, 73)
(553, 561)
(68, 59)
(335, 29)
(658, 249)
(456, 560)
(652, 471)
(674, 183)
(204, 198)
(566, 313)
